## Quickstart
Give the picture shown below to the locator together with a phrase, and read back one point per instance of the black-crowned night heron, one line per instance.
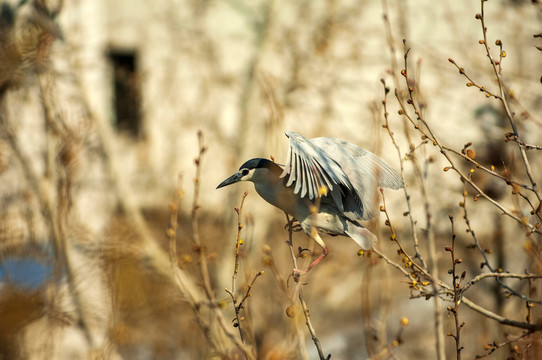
(342, 176)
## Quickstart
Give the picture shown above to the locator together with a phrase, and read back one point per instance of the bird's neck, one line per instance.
(271, 187)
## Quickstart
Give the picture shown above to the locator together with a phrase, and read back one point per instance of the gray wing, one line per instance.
(308, 168)
(365, 170)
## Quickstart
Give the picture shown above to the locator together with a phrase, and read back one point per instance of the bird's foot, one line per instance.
(296, 274)
(291, 225)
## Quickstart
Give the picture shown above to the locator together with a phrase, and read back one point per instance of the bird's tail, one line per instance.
(360, 235)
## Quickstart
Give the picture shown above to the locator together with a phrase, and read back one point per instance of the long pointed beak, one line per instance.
(231, 180)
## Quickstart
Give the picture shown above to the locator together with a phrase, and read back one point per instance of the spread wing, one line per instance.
(365, 170)
(308, 168)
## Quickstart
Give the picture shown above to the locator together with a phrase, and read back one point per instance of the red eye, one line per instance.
(244, 172)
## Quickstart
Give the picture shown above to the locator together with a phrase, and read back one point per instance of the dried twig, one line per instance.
(497, 275)
(483, 252)
(198, 247)
(207, 312)
(427, 133)
(300, 294)
(495, 345)
(457, 281)
(418, 272)
(496, 65)
(238, 243)
(386, 125)
(497, 69)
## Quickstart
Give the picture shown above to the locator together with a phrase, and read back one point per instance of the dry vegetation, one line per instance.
(455, 273)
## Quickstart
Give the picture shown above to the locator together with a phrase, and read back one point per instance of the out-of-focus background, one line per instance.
(105, 105)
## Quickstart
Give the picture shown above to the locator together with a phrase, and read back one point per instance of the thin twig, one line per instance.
(392, 263)
(206, 308)
(499, 276)
(457, 293)
(432, 265)
(496, 65)
(500, 319)
(238, 243)
(300, 294)
(497, 345)
(310, 327)
(427, 133)
(417, 253)
(482, 252)
(249, 287)
(445, 289)
(198, 247)
(486, 169)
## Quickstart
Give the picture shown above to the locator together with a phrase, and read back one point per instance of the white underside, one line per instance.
(337, 225)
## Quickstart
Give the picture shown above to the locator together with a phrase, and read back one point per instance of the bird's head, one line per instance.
(253, 170)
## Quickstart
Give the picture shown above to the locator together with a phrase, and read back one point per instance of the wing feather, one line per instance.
(298, 171)
(302, 183)
(350, 173)
(365, 170)
(290, 162)
(308, 166)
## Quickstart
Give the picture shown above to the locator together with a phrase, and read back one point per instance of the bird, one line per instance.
(327, 184)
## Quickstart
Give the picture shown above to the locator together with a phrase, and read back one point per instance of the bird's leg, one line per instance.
(325, 251)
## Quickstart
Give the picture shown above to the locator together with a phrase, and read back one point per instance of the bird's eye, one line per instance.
(244, 172)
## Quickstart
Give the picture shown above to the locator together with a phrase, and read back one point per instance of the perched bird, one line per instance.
(342, 177)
